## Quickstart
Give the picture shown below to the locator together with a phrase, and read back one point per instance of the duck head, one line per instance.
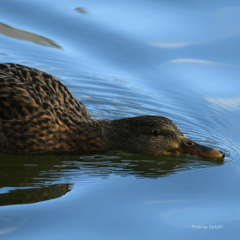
(153, 135)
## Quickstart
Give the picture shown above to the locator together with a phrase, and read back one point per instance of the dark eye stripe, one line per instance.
(166, 133)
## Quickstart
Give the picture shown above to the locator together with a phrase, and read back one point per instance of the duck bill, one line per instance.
(187, 146)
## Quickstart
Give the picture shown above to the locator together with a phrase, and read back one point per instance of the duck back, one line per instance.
(36, 110)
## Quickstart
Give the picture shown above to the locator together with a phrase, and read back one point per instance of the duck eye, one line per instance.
(155, 132)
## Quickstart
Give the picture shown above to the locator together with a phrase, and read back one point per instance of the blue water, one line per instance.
(179, 59)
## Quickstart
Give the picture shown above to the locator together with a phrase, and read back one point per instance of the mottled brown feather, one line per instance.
(36, 110)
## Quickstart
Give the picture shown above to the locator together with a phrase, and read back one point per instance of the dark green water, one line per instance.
(178, 59)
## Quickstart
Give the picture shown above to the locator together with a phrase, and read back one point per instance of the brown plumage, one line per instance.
(39, 114)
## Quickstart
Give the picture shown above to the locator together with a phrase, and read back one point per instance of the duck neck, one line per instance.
(116, 134)
(103, 135)
(90, 135)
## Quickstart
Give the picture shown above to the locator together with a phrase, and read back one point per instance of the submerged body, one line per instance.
(39, 114)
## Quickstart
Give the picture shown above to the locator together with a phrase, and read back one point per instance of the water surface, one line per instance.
(178, 59)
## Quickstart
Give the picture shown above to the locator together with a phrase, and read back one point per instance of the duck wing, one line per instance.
(26, 91)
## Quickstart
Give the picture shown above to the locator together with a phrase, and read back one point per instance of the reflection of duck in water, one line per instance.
(38, 114)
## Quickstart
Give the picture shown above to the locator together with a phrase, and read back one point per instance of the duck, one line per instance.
(39, 114)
